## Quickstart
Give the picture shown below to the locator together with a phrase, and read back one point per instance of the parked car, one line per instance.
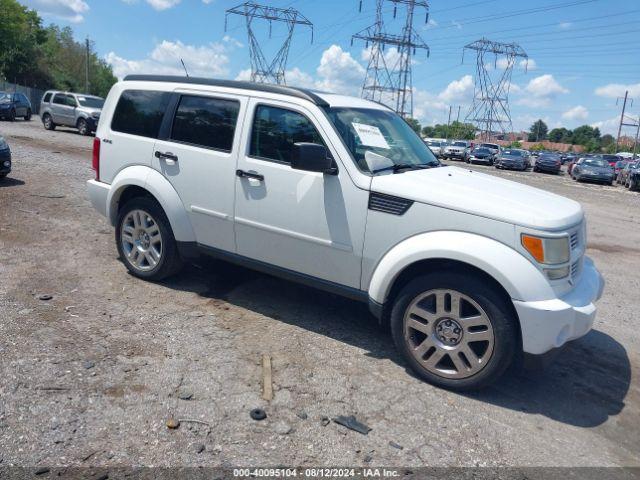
(71, 110)
(548, 162)
(494, 147)
(481, 155)
(5, 158)
(458, 150)
(593, 169)
(435, 146)
(469, 270)
(634, 178)
(578, 160)
(623, 175)
(14, 105)
(567, 157)
(618, 167)
(612, 159)
(513, 159)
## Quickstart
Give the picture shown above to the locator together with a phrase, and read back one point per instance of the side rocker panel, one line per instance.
(521, 279)
(161, 189)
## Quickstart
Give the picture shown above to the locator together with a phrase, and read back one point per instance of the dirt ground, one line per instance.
(91, 376)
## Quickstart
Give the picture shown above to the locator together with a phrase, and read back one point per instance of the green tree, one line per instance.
(538, 131)
(515, 144)
(584, 134)
(457, 130)
(414, 124)
(560, 135)
(21, 34)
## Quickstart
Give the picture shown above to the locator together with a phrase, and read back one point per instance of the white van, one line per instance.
(471, 271)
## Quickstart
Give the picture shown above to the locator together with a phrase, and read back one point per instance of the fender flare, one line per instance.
(518, 276)
(161, 189)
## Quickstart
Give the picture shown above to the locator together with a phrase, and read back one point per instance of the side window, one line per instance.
(60, 99)
(275, 130)
(47, 98)
(71, 101)
(140, 112)
(208, 122)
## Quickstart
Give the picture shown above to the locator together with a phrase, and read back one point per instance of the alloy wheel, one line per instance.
(141, 240)
(448, 333)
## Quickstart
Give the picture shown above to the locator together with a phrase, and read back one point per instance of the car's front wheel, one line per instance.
(12, 116)
(454, 330)
(145, 240)
(27, 117)
(83, 127)
(47, 121)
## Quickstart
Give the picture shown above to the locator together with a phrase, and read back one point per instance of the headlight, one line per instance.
(7, 163)
(548, 251)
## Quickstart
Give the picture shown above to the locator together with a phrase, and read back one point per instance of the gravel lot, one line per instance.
(91, 376)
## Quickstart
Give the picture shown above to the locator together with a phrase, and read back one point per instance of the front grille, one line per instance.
(389, 204)
(576, 268)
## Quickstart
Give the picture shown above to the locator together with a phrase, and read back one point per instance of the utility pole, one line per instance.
(622, 118)
(448, 123)
(392, 84)
(86, 70)
(262, 70)
(635, 143)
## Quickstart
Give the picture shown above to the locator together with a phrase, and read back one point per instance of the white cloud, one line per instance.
(339, 72)
(206, 61)
(607, 126)
(70, 10)
(540, 91)
(163, 4)
(576, 113)
(434, 108)
(458, 90)
(615, 90)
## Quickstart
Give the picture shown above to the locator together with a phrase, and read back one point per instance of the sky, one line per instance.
(582, 54)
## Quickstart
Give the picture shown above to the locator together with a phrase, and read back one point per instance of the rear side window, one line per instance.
(47, 98)
(140, 112)
(206, 122)
(275, 130)
(60, 99)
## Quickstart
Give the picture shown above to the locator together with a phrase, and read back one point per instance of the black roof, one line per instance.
(260, 87)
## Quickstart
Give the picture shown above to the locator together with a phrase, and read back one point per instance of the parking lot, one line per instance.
(91, 376)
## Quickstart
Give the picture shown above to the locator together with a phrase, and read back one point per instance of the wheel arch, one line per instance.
(144, 181)
(515, 275)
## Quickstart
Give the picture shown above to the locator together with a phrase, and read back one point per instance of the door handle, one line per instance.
(255, 176)
(166, 156)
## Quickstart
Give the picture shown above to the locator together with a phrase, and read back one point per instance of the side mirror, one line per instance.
(312, 157)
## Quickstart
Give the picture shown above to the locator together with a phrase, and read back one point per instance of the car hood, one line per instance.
(512, 158)
(481, 154)
(90, 111)
(484, 195)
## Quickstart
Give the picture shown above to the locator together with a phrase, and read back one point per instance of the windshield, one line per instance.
(595, 162)
(91, 102)
(5, 97)
(433, 144)
(459, 144)
(380, 140)
(490, 145)
(482, 150)
(512, 153)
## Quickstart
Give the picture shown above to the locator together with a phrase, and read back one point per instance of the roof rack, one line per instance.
(260, 87)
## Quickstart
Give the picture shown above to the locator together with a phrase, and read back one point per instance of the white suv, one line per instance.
(471, 271)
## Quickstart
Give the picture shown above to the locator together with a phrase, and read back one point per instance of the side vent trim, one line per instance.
(389, 204)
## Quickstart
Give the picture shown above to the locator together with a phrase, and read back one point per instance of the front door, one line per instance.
(197, 153)
(63, 109)
(307, 222)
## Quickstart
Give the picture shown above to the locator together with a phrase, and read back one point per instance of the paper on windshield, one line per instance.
(370, 135)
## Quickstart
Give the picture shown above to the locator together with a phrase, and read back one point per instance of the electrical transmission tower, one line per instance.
(392, 84)
(262, 70)
(494, 66)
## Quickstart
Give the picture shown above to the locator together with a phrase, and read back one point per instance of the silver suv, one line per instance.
(71, 110)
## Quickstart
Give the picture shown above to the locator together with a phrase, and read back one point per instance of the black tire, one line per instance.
(47, 121)
(497, 308)
(27, 117)
(633, 186)
(535, 169)
(170, 262)
(3, 175)
(83, 127)
(12, 116)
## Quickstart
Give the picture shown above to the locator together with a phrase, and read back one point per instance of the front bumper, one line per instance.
(549, 324)
(5, 156)
(548, 168)
(458, 155)
(511, 165)
(487, 160)
(98, 194)
(596, 178)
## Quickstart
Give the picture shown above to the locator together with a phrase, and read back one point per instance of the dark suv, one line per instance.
(5, 158)
(14, 105)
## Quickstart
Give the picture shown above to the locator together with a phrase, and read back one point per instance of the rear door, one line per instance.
(197, 152)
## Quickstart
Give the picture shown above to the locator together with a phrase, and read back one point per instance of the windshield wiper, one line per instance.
(399, 167)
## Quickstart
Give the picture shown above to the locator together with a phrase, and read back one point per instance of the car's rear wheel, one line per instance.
(454, 330)
(47, 121)
(633, 185)
(145, 240)
(12, 116)
(83, 127)
(27, 117)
